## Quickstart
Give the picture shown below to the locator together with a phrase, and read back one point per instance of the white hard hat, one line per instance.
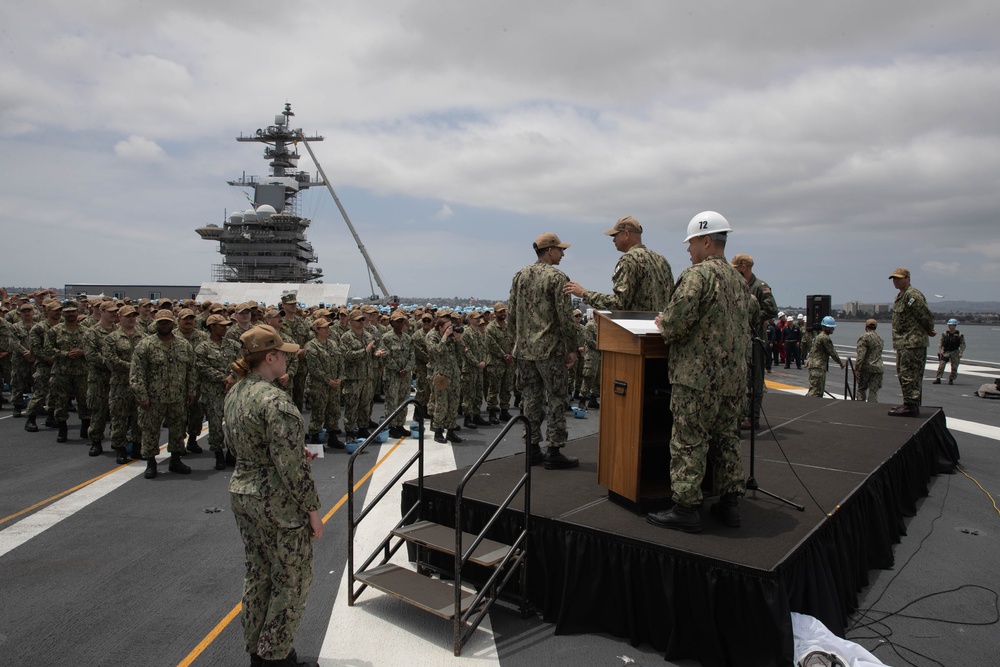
(781, 313)
(705, 223)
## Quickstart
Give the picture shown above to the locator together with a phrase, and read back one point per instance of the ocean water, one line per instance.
(982, 341)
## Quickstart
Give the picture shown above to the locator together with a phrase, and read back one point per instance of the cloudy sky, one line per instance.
(840, 139)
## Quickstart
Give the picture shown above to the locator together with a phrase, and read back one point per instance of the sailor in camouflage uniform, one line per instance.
(443, 346)
(768, 310)
(119, 346)
(99, 375)
(325, 370)
(357, 347)
(819, 358)
(162, 375)
(950, 349)
(706, 327)
(274, 499)
(912, 323)
(545, 342)
(868, 369)
(212, 359)
(420, 360)
(296, 329)
(64, 345)
(195, 417)
(642, 278)
(474, 364)
(399, 364)
(500, 369)
(40, 396)
(22, 361)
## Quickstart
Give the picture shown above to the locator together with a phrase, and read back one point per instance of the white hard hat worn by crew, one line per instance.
(705, 223)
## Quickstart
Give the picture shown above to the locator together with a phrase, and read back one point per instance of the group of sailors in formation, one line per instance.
(129, 368)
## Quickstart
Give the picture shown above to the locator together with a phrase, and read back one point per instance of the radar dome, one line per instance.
(249, 215)
(236, 218)
(265, 211)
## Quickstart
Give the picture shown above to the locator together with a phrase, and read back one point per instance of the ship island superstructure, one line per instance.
(267, 243)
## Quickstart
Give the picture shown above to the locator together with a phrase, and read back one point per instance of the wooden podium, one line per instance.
(634, 434)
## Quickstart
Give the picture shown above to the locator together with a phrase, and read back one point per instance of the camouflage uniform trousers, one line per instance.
(817, 382)
(20, 382)
(98, 395)
(910, 362)
(423, 394)
(945, 358)
(445, 406)
(591, 387)
(324, 405)
(40, 393)
(868, 386)
(397, 391)
(472, 392)
(63, 387)
(706, 430)
(194, 419)
(212, 406)
(500, 380)
(6, 369)
(544, 384)
(150, 420)
(297, 386)
(354, 417)
(576, 377)
(279, 561)
(123, 412)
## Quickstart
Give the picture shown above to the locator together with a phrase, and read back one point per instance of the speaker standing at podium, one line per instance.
(706, 326)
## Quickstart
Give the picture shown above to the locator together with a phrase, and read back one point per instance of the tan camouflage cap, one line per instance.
(626, 224)
(499, 306)
(548, 240)
(109, 306)
(126, 311)
(742, 260)
(321, 323)
(900, 272)
(163, 315)
(263, 338)
(243, 308)
(399, 315)
(356, 315)
(186, 312)
(53, 305)
(217, 319)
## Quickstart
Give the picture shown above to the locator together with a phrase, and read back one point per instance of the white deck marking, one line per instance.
(379, 629)
(973, 428)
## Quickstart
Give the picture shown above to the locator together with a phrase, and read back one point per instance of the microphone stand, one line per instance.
(752, 480)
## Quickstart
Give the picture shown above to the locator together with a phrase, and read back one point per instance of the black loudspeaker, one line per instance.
(817, 307)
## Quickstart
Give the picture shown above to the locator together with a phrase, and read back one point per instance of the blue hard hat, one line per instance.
(829, 322)
(952, 321)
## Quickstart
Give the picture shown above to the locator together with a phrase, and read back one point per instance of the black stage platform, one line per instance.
(722, 597)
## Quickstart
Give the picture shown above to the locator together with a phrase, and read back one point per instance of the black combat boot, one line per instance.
(63, 434)
(84, 429)
(556, 460)
(439, 435)
(220, 460)
(17, 411)
(178, 466)
(469, 423)
(333, 442)
(50, 419)
(493, 417)
(505, 416)
(95, 449)
(536, 454)
(193, 446)
(136, 451)
(30, 426)
(593, 404)
(121, 455)
(727, 509)
(150, 468)
(678, 517)
(451, 437)
(478, 420)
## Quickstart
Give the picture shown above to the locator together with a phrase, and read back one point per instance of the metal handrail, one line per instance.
(352, 522)
(515, 556)
(850, 381)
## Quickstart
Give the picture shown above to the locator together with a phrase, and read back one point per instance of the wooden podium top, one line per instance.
(630, 332)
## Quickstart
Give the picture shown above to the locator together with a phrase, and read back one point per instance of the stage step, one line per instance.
(441, 538)
(433, 595)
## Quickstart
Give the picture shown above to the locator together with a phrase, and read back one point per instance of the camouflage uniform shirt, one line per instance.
(912, 321)
(162, 374)
(642, 281)
(539, 314)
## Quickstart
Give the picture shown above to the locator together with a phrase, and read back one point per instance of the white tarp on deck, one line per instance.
(309, 294)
